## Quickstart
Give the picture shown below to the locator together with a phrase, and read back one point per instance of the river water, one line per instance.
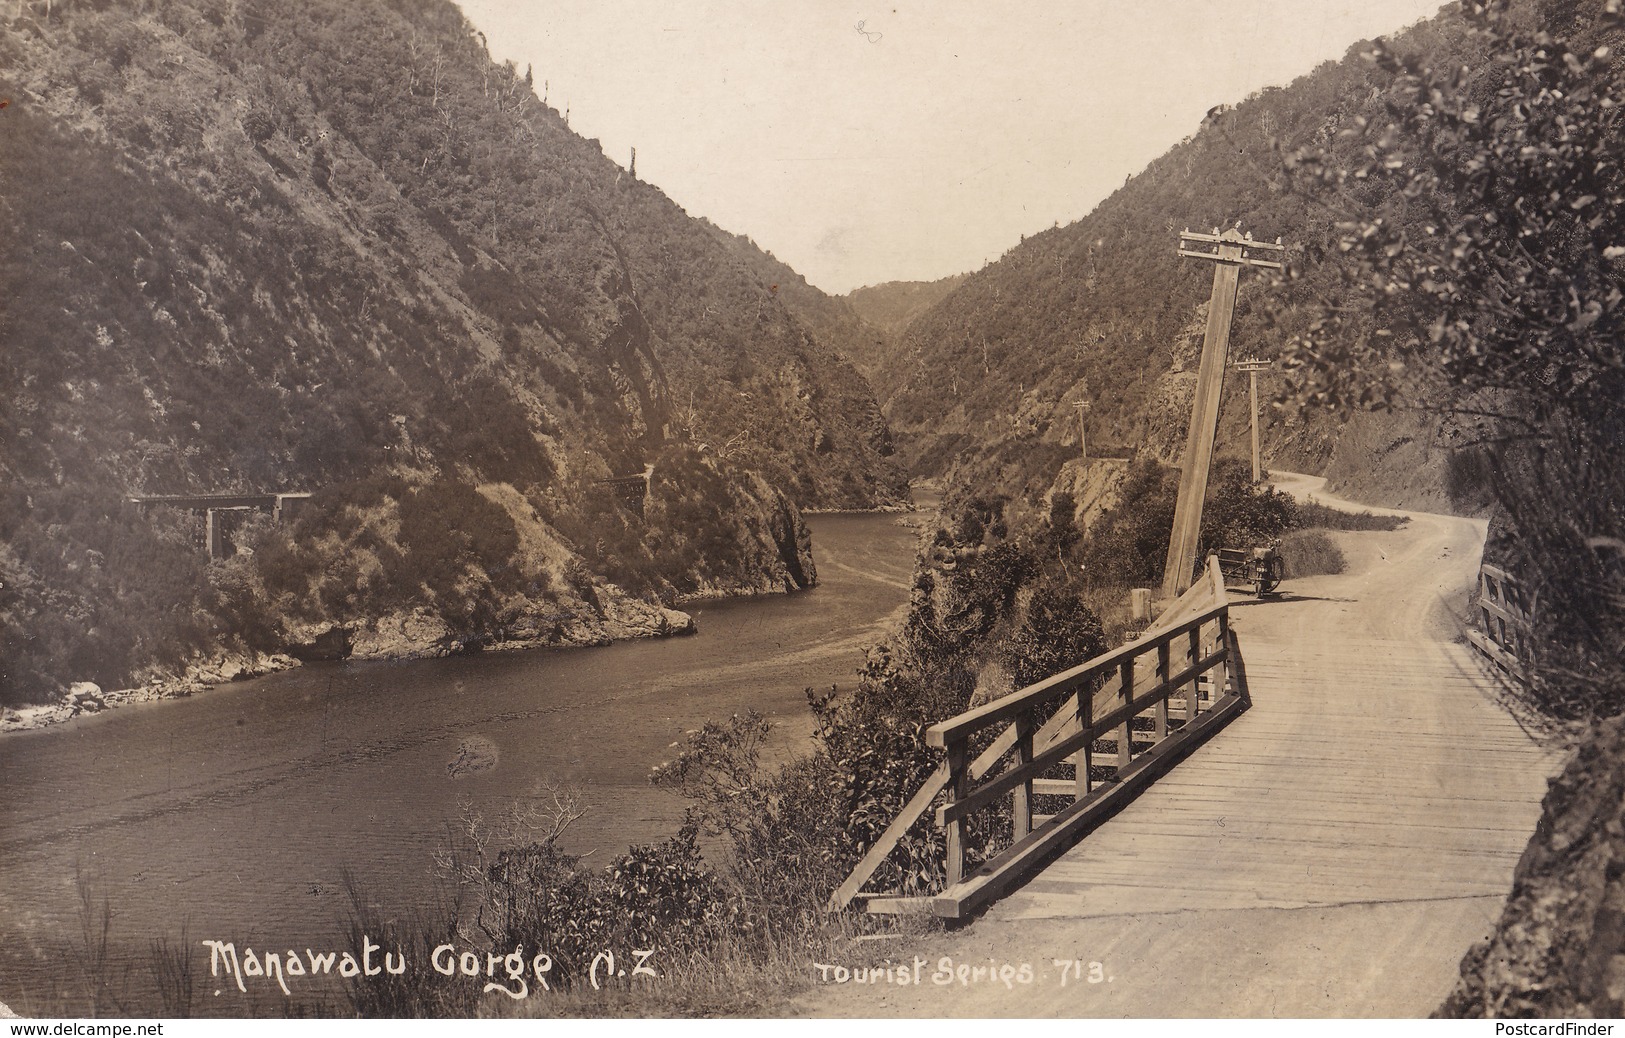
(234, 813)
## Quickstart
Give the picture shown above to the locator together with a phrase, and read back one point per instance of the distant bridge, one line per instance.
(632, 491)
(210, 505)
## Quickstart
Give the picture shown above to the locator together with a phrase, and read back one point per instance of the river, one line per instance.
(234, 813)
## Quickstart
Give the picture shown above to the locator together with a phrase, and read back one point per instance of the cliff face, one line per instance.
(299, 246)
(1559, 947)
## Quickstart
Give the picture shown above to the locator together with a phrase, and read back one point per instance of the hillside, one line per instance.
(835, 324)
(892, 305)
(1103, 310)
(337, 249)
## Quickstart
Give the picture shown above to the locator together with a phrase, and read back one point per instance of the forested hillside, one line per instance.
(1103, 310)
(331, 247)
(889, 307)
(892, 305)
(834, 322)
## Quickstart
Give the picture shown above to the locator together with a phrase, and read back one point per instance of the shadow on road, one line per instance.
(1236, 603)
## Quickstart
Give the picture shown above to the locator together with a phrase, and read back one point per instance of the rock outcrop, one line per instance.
(1559, 948)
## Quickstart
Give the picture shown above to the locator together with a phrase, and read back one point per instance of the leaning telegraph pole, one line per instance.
(1252, 366)
(1230, 252)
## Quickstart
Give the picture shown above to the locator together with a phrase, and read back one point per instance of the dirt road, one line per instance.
(1333, 852)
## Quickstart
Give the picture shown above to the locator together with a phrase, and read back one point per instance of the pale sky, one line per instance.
(907, 139)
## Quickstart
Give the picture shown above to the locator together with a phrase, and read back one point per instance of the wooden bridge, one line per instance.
(631, 491)
(1151, 701)
(1332, 851)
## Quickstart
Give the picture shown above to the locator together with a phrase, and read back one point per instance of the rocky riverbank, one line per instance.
(400, 636)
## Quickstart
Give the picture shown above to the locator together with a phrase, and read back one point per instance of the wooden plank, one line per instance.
(890, 904)
(1125, 695)
(1495, 571)
(958, 784)
(1221, 670)
(1007, 707)
(894, 832)
(1497, 655)
(1083, 760)
(1163, 654)
(1509, 615)
(1022, 795)
(1193, 705)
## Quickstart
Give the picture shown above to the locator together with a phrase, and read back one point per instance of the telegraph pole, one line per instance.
(1229, 252)
(1252, 366)
(1083, 442)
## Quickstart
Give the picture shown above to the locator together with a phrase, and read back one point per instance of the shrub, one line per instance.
(1240, 514)
(1129, 544)
(1313, 514)
(1311, 553)
(1059, 632)
(662, 894)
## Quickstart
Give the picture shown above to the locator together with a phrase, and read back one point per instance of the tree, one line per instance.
(1484, 282)
(1492, 263)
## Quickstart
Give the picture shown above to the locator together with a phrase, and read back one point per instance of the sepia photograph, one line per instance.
(708, 509)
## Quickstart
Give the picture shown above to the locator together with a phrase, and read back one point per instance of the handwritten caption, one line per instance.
(508, 974)
(946, 972)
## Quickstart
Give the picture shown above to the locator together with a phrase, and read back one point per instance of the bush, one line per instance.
(1129, 544)
(1311, 553)
(519, 888)
(1059, 632)
(1242, 515)
(1313, 514)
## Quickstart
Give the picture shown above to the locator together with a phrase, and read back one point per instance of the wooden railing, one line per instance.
(1504, 611)
(1152, 701)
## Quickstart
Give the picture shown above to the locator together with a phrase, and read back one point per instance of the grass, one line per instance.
(733, 975)
(1311, 553)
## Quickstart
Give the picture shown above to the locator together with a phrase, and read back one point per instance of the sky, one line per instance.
(907, 140)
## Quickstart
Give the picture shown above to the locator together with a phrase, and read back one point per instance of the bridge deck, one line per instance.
(1331, 790)
(1332, 852)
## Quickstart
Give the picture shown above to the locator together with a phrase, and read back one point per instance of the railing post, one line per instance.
(1083, 760)
(958, 786)
(1125, 692)
(1022, 795)
(1192, 693)
(1162, 700)
(1221, 680)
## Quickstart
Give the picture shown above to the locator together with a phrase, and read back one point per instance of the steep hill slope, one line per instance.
(850, 340)
(305, 246)
(1103, 310)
